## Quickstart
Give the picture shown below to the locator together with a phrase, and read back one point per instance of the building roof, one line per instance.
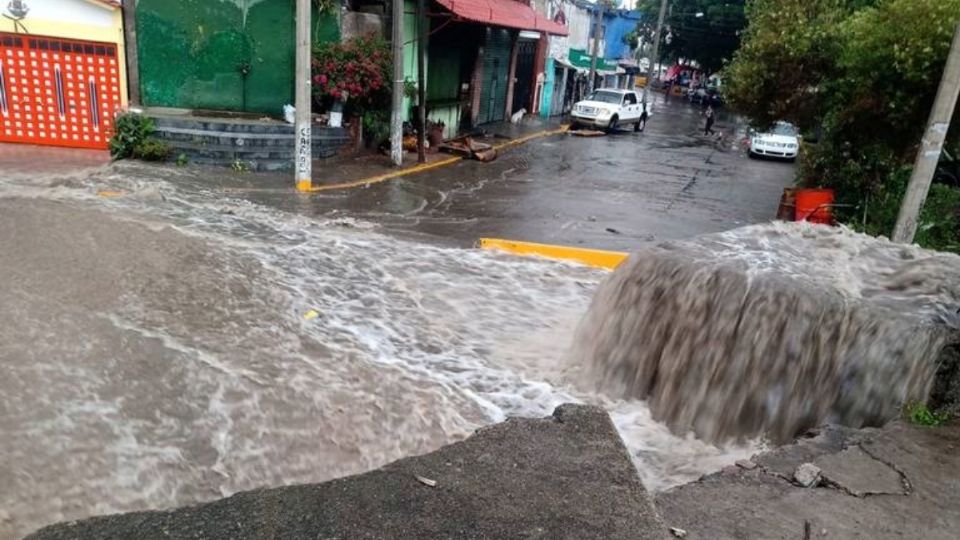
(507, 13)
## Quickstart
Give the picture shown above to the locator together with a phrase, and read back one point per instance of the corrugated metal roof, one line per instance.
(507, 13)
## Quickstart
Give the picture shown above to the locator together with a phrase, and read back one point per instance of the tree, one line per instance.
(865, 73)
(707, 31)
(789, 50)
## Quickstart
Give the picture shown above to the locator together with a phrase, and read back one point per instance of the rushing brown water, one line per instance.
(772, 329)
(154, 348)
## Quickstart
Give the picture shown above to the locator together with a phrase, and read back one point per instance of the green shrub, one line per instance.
(152, 149)
(239, 165)
(921, 415)
(876, 213)
(130, 130)
(376, 126)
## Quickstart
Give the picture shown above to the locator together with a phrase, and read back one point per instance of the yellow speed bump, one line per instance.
(590, 257)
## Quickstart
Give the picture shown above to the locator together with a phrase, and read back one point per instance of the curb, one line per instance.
(596, 258)
(307, 188)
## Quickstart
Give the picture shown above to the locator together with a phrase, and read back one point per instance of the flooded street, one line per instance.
(614, 192)
(206, 332)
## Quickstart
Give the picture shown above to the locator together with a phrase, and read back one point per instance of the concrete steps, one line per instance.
(260, 145)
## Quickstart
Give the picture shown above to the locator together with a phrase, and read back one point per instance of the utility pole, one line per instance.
(396, 113)
(655, 57)
(596, 46)
(303, 160)
(422, 81)
(930, 147)
(131, 53)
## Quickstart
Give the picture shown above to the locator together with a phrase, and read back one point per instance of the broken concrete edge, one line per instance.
(812, 461)
(565, 476)
(883, 482)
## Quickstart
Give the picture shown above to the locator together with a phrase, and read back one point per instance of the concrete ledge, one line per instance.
(262, 145)
(567, 476)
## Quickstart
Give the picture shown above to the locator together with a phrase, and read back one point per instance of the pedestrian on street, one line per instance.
(708, 130)
(644, 114)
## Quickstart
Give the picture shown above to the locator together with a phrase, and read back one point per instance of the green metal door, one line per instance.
(496, 69)
(219, 54)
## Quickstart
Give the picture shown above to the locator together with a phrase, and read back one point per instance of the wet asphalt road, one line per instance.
(612, 192)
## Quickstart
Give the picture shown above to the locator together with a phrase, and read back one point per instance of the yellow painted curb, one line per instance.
(514, 142)
(382, 177)
(590, 257)
(306, 187)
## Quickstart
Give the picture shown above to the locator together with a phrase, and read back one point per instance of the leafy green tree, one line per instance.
(864, 73)
(789, 51)
(706, 31)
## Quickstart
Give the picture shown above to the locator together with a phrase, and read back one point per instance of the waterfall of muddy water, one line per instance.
(772, 329)
(154, 350)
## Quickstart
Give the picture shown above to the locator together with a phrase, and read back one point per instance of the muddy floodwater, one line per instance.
(773, 329)
(173, 345)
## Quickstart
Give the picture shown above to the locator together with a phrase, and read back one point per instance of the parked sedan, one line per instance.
(782, 141)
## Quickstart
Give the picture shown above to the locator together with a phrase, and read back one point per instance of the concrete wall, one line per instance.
(75, 19)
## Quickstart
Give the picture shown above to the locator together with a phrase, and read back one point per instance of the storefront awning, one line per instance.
(567, 65)
(581, 59)
(507, 13)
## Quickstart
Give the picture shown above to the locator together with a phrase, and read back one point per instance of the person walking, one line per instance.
(644, 114)
(709, 113)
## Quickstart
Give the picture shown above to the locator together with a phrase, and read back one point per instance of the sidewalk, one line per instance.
(369, 168)
(29, 159)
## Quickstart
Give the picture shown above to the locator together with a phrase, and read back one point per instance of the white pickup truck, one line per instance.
(609, 108)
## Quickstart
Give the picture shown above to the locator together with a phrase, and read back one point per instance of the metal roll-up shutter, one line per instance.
(496, 70)
(57, 92)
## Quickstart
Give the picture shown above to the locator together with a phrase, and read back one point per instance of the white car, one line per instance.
(782, 141)
(609, 108)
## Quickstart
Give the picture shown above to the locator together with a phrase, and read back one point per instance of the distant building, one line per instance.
(62, 72)
(569, 57)
(485, 59)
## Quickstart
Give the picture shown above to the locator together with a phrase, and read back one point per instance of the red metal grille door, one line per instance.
(57, 92)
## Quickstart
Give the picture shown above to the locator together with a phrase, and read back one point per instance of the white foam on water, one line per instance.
(205, 378)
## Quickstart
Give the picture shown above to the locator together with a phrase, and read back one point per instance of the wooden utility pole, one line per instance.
(303, 138)
(596, 46)
(655, 57)
(396, 112)
(930, 147)
(422, 31)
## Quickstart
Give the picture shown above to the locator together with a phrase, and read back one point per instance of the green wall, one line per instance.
(410, 48)
(192, 53)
